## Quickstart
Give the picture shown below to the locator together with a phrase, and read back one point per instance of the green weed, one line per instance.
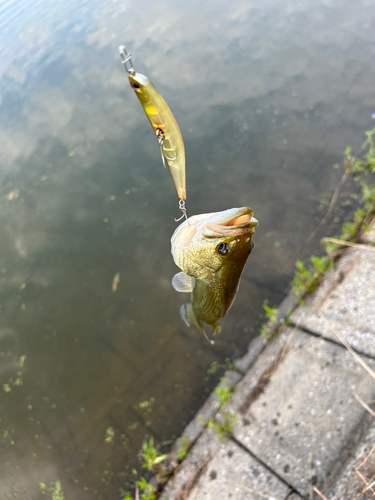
(147, 489)
(223, 428)
(362, 170)
(271, 312)
(183, 447)
(150, 455)
(271, 316)
(307, 277)
(224, 392)
(330, 248)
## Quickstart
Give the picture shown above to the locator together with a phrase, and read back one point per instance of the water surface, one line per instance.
(267, 96)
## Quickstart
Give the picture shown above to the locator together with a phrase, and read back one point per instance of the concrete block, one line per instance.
(222, 470)
(358, 473)
(296, 408)
(345, 303)
(255, 348)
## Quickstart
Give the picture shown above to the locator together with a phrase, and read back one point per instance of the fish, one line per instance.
(163, 123)
(211, 250)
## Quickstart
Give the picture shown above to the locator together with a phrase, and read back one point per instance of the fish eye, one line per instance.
(135, 85)
(223, 249)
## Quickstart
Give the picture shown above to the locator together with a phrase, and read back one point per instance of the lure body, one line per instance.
(165, 127)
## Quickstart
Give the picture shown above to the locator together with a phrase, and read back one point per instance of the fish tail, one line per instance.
(189, 318)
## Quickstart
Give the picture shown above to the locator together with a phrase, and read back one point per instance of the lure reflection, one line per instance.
(164, 125)
(211, 250)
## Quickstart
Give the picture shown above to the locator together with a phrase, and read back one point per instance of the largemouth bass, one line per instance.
(163, 123)
(211, 250)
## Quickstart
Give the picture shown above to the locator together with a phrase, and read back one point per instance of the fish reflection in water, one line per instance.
(211, 250)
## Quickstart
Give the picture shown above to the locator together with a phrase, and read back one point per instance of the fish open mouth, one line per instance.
(242, 218)
(230, 223)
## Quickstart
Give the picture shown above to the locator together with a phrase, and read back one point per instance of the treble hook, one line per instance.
(160, 138)
(181, 206)
(126, 60)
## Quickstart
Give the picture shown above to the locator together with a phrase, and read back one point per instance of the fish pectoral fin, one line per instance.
(181, 282)
(190, 319)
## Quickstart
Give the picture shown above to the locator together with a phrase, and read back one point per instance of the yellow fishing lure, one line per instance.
(164, 125)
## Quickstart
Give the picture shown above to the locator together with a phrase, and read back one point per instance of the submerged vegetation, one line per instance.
(109, 435)
(55, 489)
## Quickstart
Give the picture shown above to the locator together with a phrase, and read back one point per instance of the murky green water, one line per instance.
(267, 96)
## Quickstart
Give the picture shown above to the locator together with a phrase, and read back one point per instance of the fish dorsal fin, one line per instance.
(181, 282)
(189, 318)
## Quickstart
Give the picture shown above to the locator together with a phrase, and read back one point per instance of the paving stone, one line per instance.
(222, 470)
(344, 303)
(358, 473)
(296, 409)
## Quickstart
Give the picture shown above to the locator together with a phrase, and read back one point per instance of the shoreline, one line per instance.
(260, 385)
